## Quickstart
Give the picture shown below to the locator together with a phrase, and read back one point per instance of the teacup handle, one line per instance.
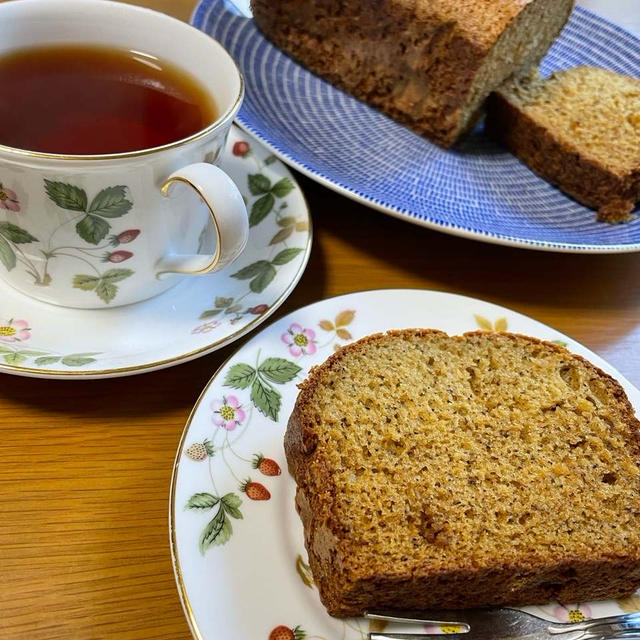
(228, 213)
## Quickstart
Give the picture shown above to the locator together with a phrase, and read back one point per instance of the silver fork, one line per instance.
(510, 624)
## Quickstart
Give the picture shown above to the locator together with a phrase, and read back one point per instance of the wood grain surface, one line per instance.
(85, 466)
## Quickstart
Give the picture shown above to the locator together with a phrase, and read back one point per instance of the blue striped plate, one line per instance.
(478, 190)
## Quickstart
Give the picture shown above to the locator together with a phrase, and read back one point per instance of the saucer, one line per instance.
(237, 544)
(198, 316)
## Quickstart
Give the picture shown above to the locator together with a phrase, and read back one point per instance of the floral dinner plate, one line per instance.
(477, 190)
(236, 540)
(197, 316)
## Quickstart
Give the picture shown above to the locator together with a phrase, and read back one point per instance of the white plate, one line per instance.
(254, 583)
(196, 317)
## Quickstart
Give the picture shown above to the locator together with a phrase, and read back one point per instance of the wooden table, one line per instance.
(85, 466)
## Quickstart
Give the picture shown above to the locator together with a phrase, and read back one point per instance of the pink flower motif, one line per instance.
(8, 199)
(206, 327)
(14, 330)
(227, 413)
(572, 613)
(299, 340)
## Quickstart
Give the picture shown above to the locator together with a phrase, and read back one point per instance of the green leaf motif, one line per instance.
(232, 503)
(104, 285)
(265, 398)
(66, 196)
(279, 370)
(221, 302)
(202, 501)
(116, 275)
(281, 236)
(78, 359)
(287, 221)
(252, 270)
(233, 309)
(84, 282)
(111, 203)
(261, 281)
(240, 376)
(217, 532)
(106, 291)
(46, 360)
(286, 255)
(282, 188)
(15, 234)
(258, 184)
(30, 353)
(92, 229)
(7, 255)
(14, 358)
(260, 209)
(4, 349)
(209, 313)
(270, 159)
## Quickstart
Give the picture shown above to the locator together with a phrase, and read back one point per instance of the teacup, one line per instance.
(97, 231)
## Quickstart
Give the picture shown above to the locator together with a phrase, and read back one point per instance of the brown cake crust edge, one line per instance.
(575, 579)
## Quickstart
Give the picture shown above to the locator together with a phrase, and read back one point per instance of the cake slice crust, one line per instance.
(484, 469)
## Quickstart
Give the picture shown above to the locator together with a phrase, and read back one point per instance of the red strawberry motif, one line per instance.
(285, 633)
(117, 256)
(258, 309)
(266, 466)
(124, 237)
(255, 490)
(240, 148)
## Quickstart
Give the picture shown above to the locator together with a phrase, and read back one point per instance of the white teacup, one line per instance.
(107, 230)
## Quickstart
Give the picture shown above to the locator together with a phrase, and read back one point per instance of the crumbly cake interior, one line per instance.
(592, 109)
(476, 447)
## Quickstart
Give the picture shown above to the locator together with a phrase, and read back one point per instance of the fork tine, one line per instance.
(416, 636)
(415, 620)
(622, 619)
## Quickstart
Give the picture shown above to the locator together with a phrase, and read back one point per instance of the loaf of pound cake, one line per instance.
(429, 64)
(483, 469)
(580, 130)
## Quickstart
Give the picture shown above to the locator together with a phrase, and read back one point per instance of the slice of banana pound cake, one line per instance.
(429, 64)
(483, 469)
(580, 130)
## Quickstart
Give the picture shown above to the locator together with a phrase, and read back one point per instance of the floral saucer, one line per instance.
(236, 540)
(199, 315)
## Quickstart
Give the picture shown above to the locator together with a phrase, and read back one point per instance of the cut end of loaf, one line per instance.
(484, 469)
(521, 46)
